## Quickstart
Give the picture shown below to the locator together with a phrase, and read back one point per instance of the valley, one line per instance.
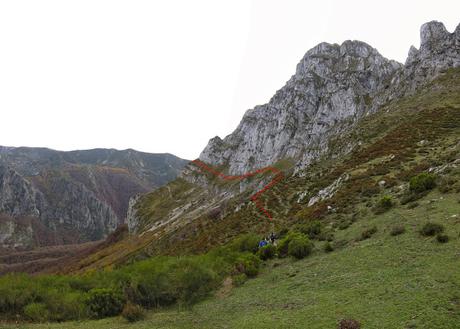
(353, 165)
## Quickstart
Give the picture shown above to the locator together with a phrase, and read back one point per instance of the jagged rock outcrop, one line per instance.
(132, 220)
(334, 85)
(439, 50)
(17, 196)
(50, 197)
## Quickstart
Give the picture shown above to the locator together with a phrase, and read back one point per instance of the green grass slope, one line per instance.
(404, 281)
(404, 138)
(380, 278)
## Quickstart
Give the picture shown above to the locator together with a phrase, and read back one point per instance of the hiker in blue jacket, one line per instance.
(263, 243)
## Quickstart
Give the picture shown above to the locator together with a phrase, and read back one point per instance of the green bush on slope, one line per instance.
(103, 302)
(154, 282)
(422, 182)
(300, 247)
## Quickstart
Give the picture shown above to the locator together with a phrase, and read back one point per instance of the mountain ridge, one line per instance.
(81, 194)
(334, 85)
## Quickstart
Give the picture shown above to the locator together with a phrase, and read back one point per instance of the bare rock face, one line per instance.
(49, 197)
(439, 50)
(333, 87)
(17, 195)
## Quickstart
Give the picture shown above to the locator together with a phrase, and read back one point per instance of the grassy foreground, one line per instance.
(404, 281)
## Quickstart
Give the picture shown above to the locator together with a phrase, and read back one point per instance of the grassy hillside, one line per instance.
(403, 281)
(406, 137)
(370, 205)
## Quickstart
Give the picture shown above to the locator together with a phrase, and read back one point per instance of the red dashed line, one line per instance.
(255, 197)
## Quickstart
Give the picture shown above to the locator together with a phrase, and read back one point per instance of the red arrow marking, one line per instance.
(255, 197)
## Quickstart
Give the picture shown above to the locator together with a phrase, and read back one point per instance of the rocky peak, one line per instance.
(332, 83)
(436, 43)
(439, 50)
(432, 34)
(333, 87)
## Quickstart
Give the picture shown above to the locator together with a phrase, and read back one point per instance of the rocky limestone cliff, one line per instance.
(17, 196)
(334, 85)
(50, 197)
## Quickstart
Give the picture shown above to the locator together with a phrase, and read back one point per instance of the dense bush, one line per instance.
(248, 264)
(328, 247)
(267, 252)
(37, 312)
(192, 280)
(442, 238)
(397, 230)
(422, 182)
(103, 302)
(384, 204)
(348, 324)
(312, 229)
(132, 312)
(366, 234)
(247, 242)
(239, 279)
(153, 282)
(283, 244)
(300, 247)
(431, 229)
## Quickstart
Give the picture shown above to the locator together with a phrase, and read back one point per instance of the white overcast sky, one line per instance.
(166, 76)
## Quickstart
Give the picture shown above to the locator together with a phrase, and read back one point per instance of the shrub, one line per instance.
(64, 305)
(431, 229)
(366, 234)
(247, 242)
(239, 279)
(300, 247)
(442, 238)
(283, 244)
(446, 184)
(412, 205)
(248, 264)
(104, 302)
(36, 312)
(384, 204)
(422, 182)
(312, 229)
(328, 247)
(267, 252)
(344, 224)
(411, 196)
(192, 280)
(132, 312)
(16, 291)
(348, 324)
(397, 230)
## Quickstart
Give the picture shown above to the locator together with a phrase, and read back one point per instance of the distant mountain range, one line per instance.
(50, 197)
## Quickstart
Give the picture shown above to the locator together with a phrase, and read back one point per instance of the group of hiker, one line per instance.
(271, 239)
